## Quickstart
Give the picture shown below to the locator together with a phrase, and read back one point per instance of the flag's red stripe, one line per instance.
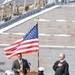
(8, 54)
(17, 42)
(29, 42)
(23, 49)
(28, 47)
(12, 48)
(27, 52)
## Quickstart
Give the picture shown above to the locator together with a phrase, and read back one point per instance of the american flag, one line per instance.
(28, 44)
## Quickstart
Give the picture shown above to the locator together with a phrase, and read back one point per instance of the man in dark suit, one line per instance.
(20, 65)
(61, 67)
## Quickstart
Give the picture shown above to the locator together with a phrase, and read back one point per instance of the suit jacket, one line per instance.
(64, 69)
(16, 66)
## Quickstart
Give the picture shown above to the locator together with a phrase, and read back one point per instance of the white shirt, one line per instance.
(21, 64)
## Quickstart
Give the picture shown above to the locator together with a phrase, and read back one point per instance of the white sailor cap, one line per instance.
(41, 68)
(9, 72)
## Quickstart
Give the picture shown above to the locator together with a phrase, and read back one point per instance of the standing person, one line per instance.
(57, 1)
(44, 2)
(61, 67)
(20, 65)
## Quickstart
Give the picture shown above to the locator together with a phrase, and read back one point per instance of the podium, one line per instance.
(21, 73)
(29, 73)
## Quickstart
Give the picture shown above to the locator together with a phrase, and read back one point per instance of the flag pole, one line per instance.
(36, 19)
(38, 59)
(38, 52)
